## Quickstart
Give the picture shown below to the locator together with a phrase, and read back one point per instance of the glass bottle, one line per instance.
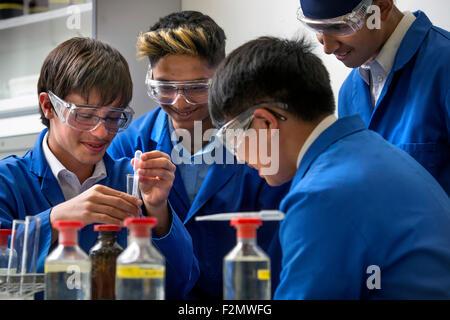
(36, 6)
(246, 269)
(10, 8)
(140, 273)
(67, 268)
(103, 257)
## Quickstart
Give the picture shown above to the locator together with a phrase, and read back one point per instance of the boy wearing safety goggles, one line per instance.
(84, 90)
(184, 50)
(363, 219)
(400, 84)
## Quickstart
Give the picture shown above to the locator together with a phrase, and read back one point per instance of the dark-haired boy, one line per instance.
(363, 220)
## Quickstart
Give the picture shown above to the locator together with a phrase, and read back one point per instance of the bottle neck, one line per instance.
(68, 238)
(107, 237)
(249, 241)
(140, 241)
(140, 232)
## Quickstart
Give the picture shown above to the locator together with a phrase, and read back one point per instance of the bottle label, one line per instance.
(263, 274)
(57, 267)
(137, 272)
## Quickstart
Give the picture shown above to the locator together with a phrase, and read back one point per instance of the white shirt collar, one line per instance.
(386, 56)
(67, 180)
(321, 127)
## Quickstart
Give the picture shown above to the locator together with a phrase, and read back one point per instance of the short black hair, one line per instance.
(186, 32)
(271, 69)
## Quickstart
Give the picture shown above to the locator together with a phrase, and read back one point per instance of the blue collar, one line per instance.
(338, 130)
(413, 40)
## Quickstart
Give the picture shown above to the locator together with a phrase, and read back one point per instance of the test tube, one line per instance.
(137, 156)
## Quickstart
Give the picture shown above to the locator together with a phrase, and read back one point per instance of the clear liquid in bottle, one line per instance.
(67, 268)
(246, 269)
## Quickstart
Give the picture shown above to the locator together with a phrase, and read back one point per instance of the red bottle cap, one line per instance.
(107, 227)
(140, 227)
(246, 227)
(4, 234)
(68, 231)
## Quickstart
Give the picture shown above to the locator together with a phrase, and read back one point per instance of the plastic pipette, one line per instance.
(137, 156)
(266, 215)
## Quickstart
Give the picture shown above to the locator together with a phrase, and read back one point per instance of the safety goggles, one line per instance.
(232, 133)
(167, 92)
(87, 117)
(341, 26)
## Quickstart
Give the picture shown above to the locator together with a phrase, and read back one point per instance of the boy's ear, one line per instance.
(386, 7)
(265, 119)
(46, 106)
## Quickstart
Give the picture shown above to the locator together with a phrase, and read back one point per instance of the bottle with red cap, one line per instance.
(67, 268)
(103, 257)
(140, 271)
(246, 269)
(4, 256)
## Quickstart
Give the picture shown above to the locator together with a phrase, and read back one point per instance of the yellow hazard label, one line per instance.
(263, 274)
(137, 272)
(69, 268)
(4, 6)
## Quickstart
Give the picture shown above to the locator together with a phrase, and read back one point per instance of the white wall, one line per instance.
(244, 20)
(118, 22)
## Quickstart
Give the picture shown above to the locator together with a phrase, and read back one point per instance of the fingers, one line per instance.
(105, 194)
(162, 174)
(103, 218)
(155, 159)
(116, 206)
(154, 155)
(111, 211)
(161, 163)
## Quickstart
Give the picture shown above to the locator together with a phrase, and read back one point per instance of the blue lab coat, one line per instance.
(28, 187)
(226, 188)
(357, 203)
(413, 111)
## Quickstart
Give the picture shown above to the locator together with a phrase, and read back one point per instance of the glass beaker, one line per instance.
(22, 279)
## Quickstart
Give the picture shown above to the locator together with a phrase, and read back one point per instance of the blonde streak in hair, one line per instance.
(149, 44)
(180, 42)
(186, 37)
(201, 34)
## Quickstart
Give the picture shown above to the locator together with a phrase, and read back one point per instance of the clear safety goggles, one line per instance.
(232, 133)
(167, 92)
(345, 25)
(88, 118)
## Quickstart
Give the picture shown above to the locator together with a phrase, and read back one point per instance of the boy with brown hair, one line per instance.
(84, 90)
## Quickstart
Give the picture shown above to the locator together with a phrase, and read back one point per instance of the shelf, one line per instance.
(21, 125)
(18, 106)
(44, 16)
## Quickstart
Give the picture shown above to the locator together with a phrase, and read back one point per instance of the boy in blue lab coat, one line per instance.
(363, 220)
(400, 84)
(184, 50)
(84, 90)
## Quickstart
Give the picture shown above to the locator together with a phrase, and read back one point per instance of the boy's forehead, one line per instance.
(182, 67)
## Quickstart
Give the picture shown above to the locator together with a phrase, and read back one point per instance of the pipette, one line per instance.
(267, 215)
(137, 156)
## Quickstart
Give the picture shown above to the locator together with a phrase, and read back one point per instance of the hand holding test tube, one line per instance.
(153, 184)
